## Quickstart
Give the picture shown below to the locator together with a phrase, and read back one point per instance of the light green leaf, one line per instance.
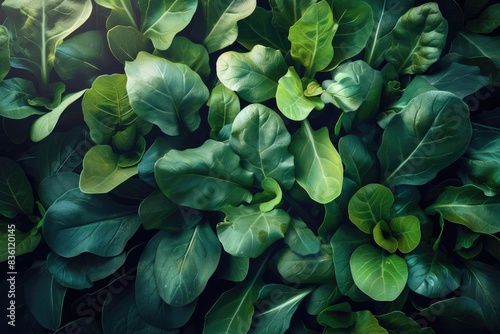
(485, 23)
(125, 43)
(383, 237)
(122, 13)
(406, 230)
(248, 232)
(467, 205)
(221, 18)
(432, 131)
(263, 152)
(276, 315)
(162, 20)
(101, 171)
(313, 268)
(475, 45)
(290, 97)
(318, 168)
(311, 37)
(417, 39)
(205, 178)
(270, 197)
(224, 106)
(16, 194)
(14, 96)
(166, 94)
(301, 239)
(26, 242)
(253, 75)
(369, 205)
(360, 164)
(379, 275)
(4, 52)
(78, 223)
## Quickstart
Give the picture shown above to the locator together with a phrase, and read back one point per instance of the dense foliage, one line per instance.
(234, 166)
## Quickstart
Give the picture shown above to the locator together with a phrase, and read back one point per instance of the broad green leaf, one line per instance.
(313, 268)
(485, 23)
(369, 205)
(257, 29)
(467, 205)
(158, 212)
(221, 18)
(54, 186)
(184, 263)
(39, 27)
(72, 62)
(406, 230)
(233, 268)
(273, 315)
(45, 124)
(16, 194)
(355, 25)
(311, 37)
(360, 164)
(184, 51)
(301, 239)
(166, 94)
(337, 316)
(150, 306)
(81, 271)
(125, 43)
(383, 237)
(259, 136)
(78, 223)
(417, 39)
(468, 244)
(431, 132)
(248, 232)
(286, 12)
(431, 273)
(416, 87)
(365, 322)
(4, 52)
(398, 322)
(386, 14)
(290, 97)
(270, 197)
(101, 171)
(44, 295)
(253, 75)
(205, 178)
(122, 13)
(224, 106)
(475, 45)
(460, 315)
(321, 297)
(345, 240)
(26, 242)
(162, 20)
(478, 283)
(14, 96)
(318, 168)
(379, 275)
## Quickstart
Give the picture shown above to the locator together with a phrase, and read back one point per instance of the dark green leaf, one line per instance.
(14, 96)
(126, 42)
(360, 164)
(54, 186)
(337, 316)
(485, 23)
(321, 297)
(475, 45)
(398, 322)
(286, 12)
(25, 242)
(224, 106)
(16, 195)
(301, 239)
(4, 52)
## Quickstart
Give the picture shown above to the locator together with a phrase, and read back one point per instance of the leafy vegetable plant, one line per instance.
(243, 166)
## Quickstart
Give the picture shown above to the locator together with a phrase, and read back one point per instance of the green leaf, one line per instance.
(360, 164)
(431, 274)
(39, 27)
(122, 13)
(301, 239)
(355, 25)
(150, 306)
(44, 295)
(253, 75)
(432, 131)
(205, 178)
(221, 18)
(248, 232)
(184, 263)
(318, 168)
(337, 316)
(263, 152)
(381, 276)
(417, 39)
(406, 230)
(224, 105)
(385, 14)
(166, 94)
(78, 223)
(311, 37)
(286, 13)
(233, 268)
(475, 45)
(257, 29)
(290, 97)
(45, 124)
(14, 96)
(365, 322)
(81, 271)
(313, 268)
(273, 315)
(467, 205)
(321, 297)
(485, 23)
(270, 197)
(54, 186)
(398, 322)
(4, 52)
(16, 194)
(384, 238)
(162, 20)
(26, 242)
(101, 171)
(126, 42)
(369, 205)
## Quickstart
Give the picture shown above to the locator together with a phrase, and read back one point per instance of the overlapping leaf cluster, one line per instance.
(239, 166)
